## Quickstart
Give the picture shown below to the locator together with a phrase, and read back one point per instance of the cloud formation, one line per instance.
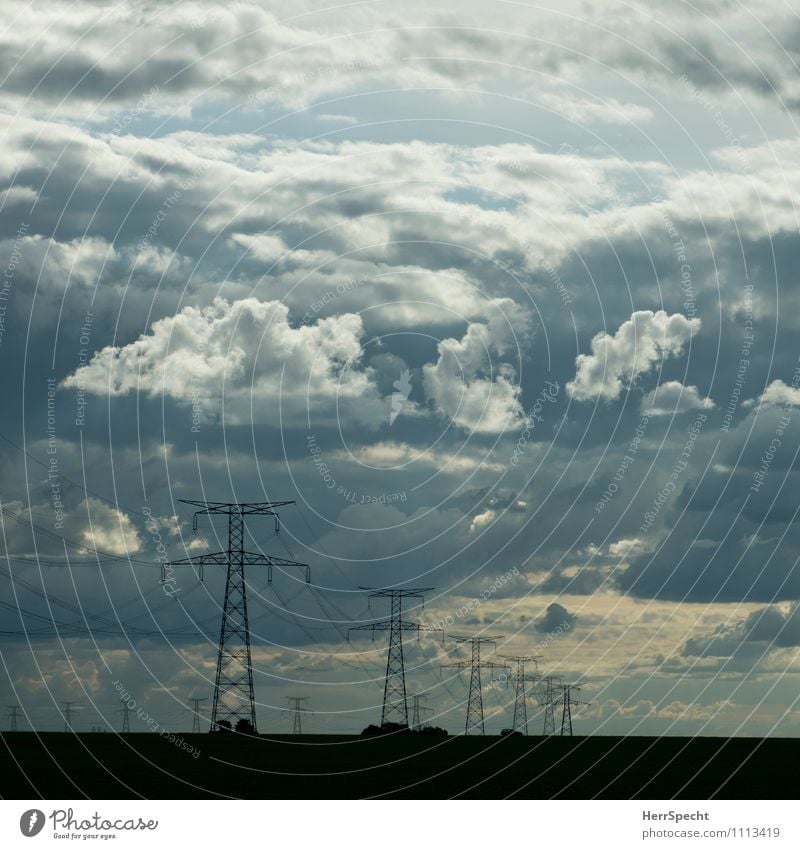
(672, 398)
(637, 346)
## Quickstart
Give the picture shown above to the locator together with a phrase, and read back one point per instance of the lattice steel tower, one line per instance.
(14, 713)
(418, 710)
(566, 707)
(474, 724)
(395, 699)
(234, 697)
(520, 722)
(549, 701)
(66, 712)
(126, 717)
(298, 710)
(196, 713)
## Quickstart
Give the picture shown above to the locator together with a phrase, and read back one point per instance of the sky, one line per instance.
(502, 295)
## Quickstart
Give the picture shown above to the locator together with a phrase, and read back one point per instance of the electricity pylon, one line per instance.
(549, 700)
(566, 707)
(520, 722)
(474, 724)
(298, 710)
(395, 700)
(234, 696)
(12, 716)
(126, 717)
(418, 710)
(196, 714)
(67, 714)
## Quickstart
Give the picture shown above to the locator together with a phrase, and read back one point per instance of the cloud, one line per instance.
(162, 56)
(555, 620)
(777, 394)
(235, 359)
(467, 387)
(629, 547)
(109, 529)
(632, 351)
(672, 398)
(768, 628)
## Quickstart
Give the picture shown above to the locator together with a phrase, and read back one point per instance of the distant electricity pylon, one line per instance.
(520, 722)
(126, 717)
(12, 716)
(549, 699)
(298, 710)
(418, 710)
(566, 707)
(67, 714)
(196, 714)
(474, 724)
(234, 696)
(395, 700)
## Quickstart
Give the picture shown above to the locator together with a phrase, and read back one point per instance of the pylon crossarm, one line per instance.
(246, 509)
(386, 625)
(373, 627)
(218, 558)
(249, 558)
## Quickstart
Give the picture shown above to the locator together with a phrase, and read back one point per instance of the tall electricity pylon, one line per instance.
(67, 714)
(298, 710)
(549, 700)
(567, 703)
(234, 697)
(520, 722)
(474, 724)
(395, 700)
(196, 714)
(418, 710)
(126, 717)
(12, 716)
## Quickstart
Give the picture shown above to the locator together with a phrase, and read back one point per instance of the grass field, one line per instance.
(108, 766)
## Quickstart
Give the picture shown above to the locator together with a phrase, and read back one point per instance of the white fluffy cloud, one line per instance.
(672, 397)
(778, 393)
(469, 385)
(237, 359)
(638, 344)
(108, 529)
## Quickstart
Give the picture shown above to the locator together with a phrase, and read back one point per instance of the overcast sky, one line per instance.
(503, 295)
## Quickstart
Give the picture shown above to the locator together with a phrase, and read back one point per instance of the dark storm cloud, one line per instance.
(555, 619)
(763, 630)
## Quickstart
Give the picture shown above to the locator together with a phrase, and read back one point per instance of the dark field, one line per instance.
(108, 766)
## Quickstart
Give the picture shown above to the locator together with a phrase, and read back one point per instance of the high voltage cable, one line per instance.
(69, 480)
(88, 549)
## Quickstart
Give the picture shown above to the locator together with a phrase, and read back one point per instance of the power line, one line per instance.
(69, 542)
(69, 480)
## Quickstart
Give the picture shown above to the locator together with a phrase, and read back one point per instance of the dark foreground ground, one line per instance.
(107, 766)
